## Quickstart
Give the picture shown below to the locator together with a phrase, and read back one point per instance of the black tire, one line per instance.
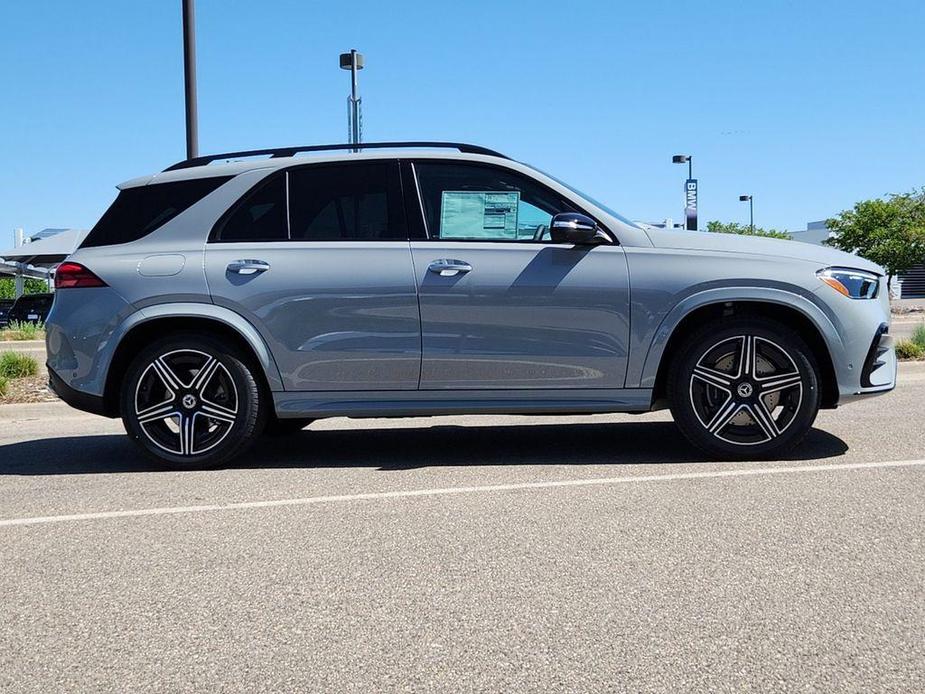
(744, 388)
(213, 408)
(285, 427)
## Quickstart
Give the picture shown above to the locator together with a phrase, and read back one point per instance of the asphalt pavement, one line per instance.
(466, 554)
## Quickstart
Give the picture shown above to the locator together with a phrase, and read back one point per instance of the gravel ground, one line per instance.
(31, 389)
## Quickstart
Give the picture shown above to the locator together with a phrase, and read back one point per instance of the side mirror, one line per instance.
(572, 227)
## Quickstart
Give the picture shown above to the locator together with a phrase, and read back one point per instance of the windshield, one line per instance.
(584, 196)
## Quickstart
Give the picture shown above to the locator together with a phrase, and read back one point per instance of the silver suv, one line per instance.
(215, 300)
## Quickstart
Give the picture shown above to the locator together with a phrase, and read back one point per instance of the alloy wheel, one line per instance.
(746, 390)
(186, 402)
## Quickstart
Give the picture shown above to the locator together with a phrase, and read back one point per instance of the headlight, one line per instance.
(856, 284)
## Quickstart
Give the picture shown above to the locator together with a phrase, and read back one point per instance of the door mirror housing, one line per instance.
(577, 228)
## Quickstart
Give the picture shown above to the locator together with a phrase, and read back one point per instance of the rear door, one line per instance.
(502, 306)
(317, 259)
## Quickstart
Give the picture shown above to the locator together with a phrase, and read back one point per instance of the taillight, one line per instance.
(70, 275)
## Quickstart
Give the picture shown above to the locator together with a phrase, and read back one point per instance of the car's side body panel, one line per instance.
(669, 283)
(729, 294)
(83, 331)
(527, 315)
(340, 315)
(84, 334)
(446, 402)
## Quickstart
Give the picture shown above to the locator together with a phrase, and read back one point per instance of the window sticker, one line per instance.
(479, 214)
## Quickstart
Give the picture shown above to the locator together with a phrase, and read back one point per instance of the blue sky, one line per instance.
(808, 106)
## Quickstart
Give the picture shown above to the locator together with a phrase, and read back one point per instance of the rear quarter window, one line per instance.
(136, 212)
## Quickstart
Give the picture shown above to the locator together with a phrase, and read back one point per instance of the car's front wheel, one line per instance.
(190, 403)
(744, 388)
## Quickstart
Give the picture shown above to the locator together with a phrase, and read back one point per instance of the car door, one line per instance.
(317, 258)
(502, 306)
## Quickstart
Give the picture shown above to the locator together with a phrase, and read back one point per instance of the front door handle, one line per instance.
(248, 267)
(449, 268)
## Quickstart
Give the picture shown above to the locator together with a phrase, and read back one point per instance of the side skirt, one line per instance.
(419, 403)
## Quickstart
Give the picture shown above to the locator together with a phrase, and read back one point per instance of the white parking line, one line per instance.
(747, 472)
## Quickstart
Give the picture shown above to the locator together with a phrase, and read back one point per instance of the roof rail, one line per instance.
(292, 151)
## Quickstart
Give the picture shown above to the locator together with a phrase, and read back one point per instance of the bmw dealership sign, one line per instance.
(690, 203)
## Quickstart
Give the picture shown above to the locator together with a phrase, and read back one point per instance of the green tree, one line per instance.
(745, 230)
(32, 286)
(889, 232)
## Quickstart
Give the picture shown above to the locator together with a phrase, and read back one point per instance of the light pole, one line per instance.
(685, 159)
(353, 61)
(751, 211)
(189, 78)
(690, 190)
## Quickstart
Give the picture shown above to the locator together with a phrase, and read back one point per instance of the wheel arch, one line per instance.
(803, 316)
(164, 319)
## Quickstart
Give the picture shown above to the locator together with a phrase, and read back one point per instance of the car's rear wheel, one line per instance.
(744, 388)
(190, 403)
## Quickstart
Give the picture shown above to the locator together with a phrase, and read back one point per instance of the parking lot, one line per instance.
(466, 553)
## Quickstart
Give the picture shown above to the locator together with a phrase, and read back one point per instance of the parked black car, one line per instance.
(5, 306)
(31, 308)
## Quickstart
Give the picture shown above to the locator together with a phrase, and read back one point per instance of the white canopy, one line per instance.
(44, 253)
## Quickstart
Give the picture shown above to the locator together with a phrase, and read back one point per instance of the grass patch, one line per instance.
(22, 330)
(918, 336)
(4, 385)
(16, 365)
(908, 349)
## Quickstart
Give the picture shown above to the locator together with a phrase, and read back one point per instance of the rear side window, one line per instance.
(343, 202)
(351, 201)
(260, 216)
(137, 212)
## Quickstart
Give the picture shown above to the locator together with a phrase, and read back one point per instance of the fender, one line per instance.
(213, 312)
(673, 318)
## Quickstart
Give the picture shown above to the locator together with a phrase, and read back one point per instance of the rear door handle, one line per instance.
(449, 268)
(248, 267)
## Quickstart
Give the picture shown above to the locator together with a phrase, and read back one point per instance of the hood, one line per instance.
(823, 256)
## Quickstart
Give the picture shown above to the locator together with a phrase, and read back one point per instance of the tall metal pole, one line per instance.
(353, 96)
(690, 191)
(353, 61)
(19, 284)
(751, 211)
(189, 78)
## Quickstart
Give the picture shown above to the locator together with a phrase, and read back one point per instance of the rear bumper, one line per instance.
(94, 404)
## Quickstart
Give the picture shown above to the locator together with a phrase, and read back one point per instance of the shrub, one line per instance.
(907, 349)
(4, 384)
(918, 336)
(16, 365)
(20, 330)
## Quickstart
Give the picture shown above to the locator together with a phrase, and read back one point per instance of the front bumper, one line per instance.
(880, 355)
(878, 374)
(865, 360)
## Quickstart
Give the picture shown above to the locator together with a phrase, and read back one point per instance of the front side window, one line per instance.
(478, 202)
